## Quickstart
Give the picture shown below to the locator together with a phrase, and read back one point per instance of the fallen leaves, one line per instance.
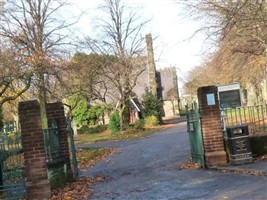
(189, 165)
(259, 158)
(243, 171)
(74, 190)
(81, 189)
(89, 157)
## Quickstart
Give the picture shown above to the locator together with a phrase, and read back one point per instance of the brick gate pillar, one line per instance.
(32, 139)
(56, 111)
(211, 126)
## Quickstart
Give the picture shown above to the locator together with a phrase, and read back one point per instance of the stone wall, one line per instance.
(170, 108)
(168, 83)
(151, 65)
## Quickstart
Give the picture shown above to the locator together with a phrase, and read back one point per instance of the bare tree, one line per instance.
(120, 36)
(14, 78)
(239, 29)
(38, 32)
(246, 17)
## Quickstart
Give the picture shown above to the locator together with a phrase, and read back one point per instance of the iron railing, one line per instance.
(12, 183)
(253, 116)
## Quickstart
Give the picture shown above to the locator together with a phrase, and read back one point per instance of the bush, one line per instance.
(152, 105)
(151, 121)
(92, 130)
(182, 112)
(84, 113)
(114, 122)
(139, 124)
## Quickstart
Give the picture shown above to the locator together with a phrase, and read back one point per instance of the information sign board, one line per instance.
(230, 95)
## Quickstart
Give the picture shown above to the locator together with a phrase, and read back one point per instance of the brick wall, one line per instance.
(56, 111)
(211, 127)
(37, 183)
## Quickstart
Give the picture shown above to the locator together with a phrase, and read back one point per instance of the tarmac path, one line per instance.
(146, 169)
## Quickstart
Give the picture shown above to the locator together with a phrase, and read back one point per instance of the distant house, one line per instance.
(134, 110)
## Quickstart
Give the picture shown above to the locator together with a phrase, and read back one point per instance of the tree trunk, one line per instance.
(42, 101)
(126, 114)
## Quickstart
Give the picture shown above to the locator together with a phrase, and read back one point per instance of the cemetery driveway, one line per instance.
(147, 169)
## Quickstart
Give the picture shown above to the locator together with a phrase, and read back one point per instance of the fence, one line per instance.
(253, 116)
(12, 183)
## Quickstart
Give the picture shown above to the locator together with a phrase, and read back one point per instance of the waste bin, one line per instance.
(239, 145)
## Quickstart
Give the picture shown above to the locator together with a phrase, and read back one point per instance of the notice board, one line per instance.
(230, 95)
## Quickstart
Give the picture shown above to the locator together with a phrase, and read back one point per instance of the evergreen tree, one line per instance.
(152, 105)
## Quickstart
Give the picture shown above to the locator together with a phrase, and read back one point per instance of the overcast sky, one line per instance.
(168, 25)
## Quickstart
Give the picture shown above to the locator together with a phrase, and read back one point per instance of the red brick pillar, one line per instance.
(211, 125)
(37, 183)
(56, 111)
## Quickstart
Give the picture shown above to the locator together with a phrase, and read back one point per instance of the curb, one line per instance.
(239, 171)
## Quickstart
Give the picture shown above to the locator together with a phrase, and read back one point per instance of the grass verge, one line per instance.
(120, 136)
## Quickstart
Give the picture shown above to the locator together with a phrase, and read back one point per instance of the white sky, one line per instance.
(167, 25)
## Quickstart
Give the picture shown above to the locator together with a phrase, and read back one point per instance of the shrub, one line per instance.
(152, 105)
(182, 112)
(151, 121)
(139, 124)
(114, 122)
(84, 113)
(92, 130)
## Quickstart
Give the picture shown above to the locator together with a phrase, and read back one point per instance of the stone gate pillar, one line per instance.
(211, 126)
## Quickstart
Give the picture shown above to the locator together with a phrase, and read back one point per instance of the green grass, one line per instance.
(123, 135)
(92, 129)
(90, 156)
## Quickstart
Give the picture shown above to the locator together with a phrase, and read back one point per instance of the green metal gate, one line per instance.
(195, 134)
(12, 183)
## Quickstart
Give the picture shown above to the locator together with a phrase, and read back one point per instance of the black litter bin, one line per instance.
(239, 144)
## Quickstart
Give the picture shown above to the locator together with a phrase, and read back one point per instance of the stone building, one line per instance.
(162, 82)
(166, 87)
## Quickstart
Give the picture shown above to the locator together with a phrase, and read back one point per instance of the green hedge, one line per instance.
(258, 144)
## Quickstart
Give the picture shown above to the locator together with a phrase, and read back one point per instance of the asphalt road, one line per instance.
(146, 169)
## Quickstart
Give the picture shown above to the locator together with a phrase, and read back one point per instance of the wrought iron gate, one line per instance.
(12, 183)
(195, 134)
